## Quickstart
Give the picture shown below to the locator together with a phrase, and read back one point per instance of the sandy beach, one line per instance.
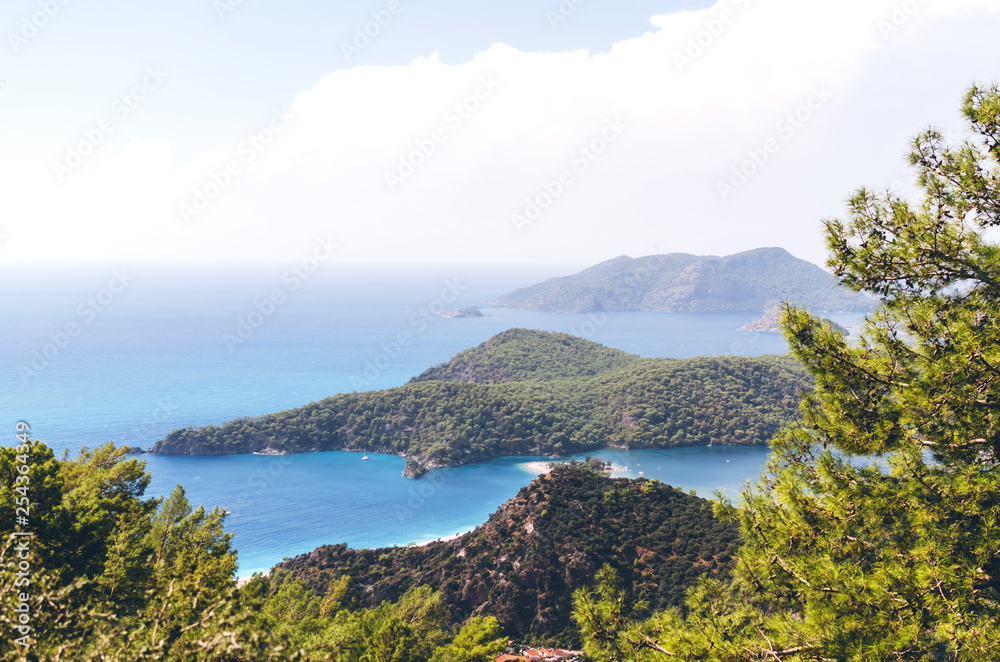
(445, 539)
(546, 467)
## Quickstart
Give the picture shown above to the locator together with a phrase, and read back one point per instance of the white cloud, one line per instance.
(888, 69)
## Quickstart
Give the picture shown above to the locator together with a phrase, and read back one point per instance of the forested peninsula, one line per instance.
(523, 565)
(527, 392)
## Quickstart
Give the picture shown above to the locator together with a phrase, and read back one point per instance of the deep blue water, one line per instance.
(86, 359)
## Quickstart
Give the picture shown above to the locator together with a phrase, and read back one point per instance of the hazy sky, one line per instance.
(410, 131)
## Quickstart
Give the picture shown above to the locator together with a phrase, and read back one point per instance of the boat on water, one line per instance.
(364, 458)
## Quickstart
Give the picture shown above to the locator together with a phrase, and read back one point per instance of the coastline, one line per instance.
(242, 579)
(454, 536)
(705, 469)
(542, 468)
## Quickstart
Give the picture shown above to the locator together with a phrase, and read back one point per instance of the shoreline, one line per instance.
(537, 467)
(542, 468)
(454, 536)
(242, 579)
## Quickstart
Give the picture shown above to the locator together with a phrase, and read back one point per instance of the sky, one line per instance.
(410, 132)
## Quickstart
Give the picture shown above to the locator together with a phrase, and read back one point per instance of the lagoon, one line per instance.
(282, 506)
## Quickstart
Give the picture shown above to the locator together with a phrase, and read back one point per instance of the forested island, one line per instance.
(467, 311)
(529, 392)
(751, 281)
(771, 322)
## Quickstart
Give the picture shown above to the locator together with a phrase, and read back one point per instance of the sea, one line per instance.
(128, 353)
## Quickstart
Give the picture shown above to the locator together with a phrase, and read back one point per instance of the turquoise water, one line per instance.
(287, 505)
(155, 358)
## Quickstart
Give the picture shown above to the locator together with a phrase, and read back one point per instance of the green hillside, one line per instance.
(612, 399)
(520, 355)
(524, 563)
(679, 282)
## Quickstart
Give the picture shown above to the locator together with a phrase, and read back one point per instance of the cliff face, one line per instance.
(679, 282)
(523, 565)
(414, 469)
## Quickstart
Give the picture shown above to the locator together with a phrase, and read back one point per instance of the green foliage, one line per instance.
(535, 400)
(846, 558)
(679, 282)
(523, 565)
(480, 640)
(520, 355)
(114, 576)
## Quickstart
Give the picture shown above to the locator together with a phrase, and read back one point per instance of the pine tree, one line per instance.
(874, 533)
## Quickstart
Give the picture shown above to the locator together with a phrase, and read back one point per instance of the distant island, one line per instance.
(679, 282)
(527, 392)
(468, 311)
(771, 322)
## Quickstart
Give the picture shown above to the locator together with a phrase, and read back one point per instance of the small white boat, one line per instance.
(641, 473)
(364, 458)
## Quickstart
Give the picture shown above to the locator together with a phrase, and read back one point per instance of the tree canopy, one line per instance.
(874, 533)
(116, 576)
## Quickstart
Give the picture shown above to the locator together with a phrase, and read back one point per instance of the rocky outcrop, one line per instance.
(468, 311)
(771, 322)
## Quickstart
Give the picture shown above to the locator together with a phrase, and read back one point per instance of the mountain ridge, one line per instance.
(751, 281)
